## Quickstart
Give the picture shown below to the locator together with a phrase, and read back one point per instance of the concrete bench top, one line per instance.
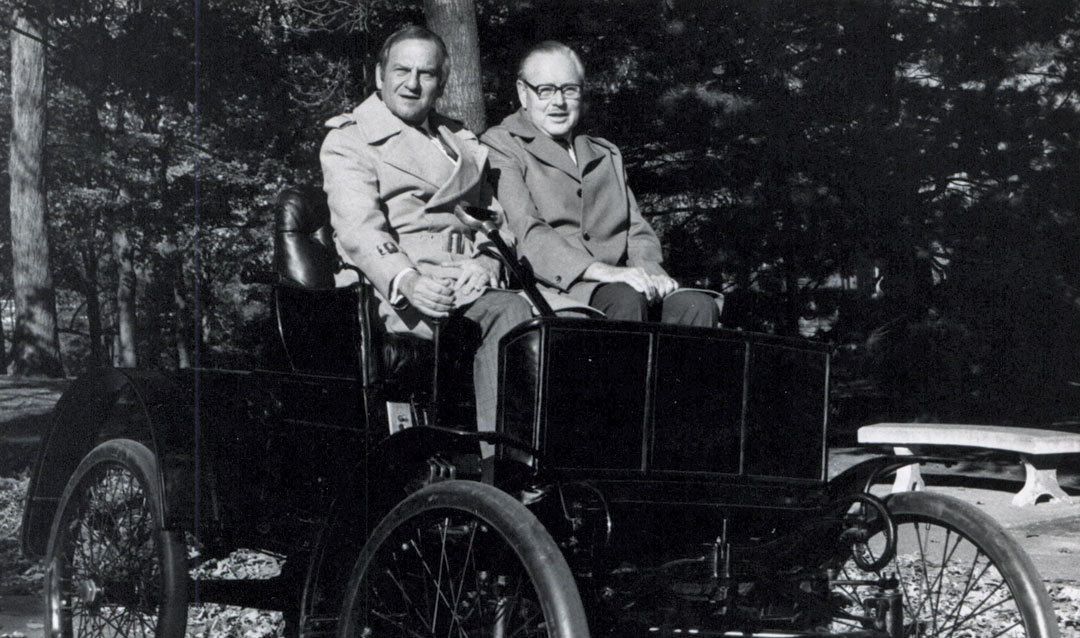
(996, 437)
(1039, 450)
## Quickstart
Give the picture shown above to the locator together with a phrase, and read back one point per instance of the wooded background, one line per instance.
(896, 177)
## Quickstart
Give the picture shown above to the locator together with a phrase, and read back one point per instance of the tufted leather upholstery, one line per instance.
(304, 254)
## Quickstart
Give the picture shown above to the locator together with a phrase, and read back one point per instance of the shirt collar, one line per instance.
(426, 127)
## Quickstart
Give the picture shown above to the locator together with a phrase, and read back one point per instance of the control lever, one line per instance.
(483, 220)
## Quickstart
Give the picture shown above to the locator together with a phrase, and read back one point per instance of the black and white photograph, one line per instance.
(540, 319)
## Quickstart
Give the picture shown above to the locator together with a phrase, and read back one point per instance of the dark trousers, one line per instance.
(620, 301)
(495, 313)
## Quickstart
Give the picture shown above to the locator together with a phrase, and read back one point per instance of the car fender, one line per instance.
(146, 406)
(862, 476)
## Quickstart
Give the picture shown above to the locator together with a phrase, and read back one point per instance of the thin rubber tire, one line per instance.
(461, 558)
(111, 567)
(960, 573)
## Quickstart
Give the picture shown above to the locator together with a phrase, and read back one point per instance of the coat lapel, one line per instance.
(595, 160)
(405, 148)
(546, 150)
(589, 154)
(463, 177)
(412, 152)
(542, 147)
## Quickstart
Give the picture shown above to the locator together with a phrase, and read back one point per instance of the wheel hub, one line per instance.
(88, 591)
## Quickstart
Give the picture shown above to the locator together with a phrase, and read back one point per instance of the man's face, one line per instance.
(410, 82)
(556, 116)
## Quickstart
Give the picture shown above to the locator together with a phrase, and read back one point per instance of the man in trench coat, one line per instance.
(394, 172)
(568, 203)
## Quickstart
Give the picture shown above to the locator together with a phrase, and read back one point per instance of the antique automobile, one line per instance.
(646, 480)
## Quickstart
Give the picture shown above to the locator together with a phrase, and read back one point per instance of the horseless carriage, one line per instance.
(647, 480)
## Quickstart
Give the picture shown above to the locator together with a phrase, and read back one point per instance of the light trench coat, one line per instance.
(392, 195)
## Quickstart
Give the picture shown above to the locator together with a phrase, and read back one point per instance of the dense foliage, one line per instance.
(899, 178)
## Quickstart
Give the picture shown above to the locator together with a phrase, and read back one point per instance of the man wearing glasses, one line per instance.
(567, 201)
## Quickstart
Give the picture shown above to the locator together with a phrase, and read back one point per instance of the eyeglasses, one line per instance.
(548, 91)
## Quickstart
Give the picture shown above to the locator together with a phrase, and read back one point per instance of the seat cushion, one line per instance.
(406, 366)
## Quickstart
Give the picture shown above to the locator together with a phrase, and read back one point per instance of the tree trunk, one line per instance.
(171, 255)
(455, 22)
(93, 304)
(3, 342)
(36, 339)
(181, 325)
(125, 297)
(88, 286)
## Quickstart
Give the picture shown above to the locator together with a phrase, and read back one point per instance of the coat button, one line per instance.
(579, 192)
(586, 236)
(558, 278)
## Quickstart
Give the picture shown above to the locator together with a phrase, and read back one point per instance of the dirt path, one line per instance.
(21, 616)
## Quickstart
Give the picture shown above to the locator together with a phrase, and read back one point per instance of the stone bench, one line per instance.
(1039, 450)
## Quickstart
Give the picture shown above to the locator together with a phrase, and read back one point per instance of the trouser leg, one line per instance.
(690, 308)
(495, 312)
(621, 302)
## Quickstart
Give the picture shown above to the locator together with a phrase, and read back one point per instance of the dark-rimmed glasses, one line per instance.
(548, 91)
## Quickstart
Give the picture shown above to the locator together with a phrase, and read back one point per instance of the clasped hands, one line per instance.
(442, 287)
(654, 287)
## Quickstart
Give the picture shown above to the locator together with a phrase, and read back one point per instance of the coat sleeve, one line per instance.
(361, 227)
(643, 248)
(555, 261)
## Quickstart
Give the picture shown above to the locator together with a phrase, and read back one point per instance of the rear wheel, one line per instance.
(112, 570)
(461, 558)
(960, 575)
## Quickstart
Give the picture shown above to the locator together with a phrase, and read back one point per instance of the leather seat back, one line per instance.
(304, 253)
(315, 318)
(320, 327)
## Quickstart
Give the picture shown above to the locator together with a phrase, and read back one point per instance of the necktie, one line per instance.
(569, 149)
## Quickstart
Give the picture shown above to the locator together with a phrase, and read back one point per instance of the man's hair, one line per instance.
(416, 32)
(550, 46)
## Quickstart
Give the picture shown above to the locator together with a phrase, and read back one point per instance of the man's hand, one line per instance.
(654, 287)
(664, 285)
(432, 297)
(474, 275)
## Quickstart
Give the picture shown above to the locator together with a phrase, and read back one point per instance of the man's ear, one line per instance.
(378, 76)
(522, 91)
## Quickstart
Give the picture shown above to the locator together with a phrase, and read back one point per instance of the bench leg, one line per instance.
(1040, 480)
(908, 478)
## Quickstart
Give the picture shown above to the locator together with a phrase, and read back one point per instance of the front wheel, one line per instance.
(461, 558)
(960, 575)
(112, 570)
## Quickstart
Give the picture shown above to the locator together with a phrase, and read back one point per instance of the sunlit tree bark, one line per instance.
(3, 342)
(35, 340)
(123, 253)
(91, 284)
(455, 22)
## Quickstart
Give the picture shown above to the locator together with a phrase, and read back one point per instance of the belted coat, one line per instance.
(392, 195)
(568, 216)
